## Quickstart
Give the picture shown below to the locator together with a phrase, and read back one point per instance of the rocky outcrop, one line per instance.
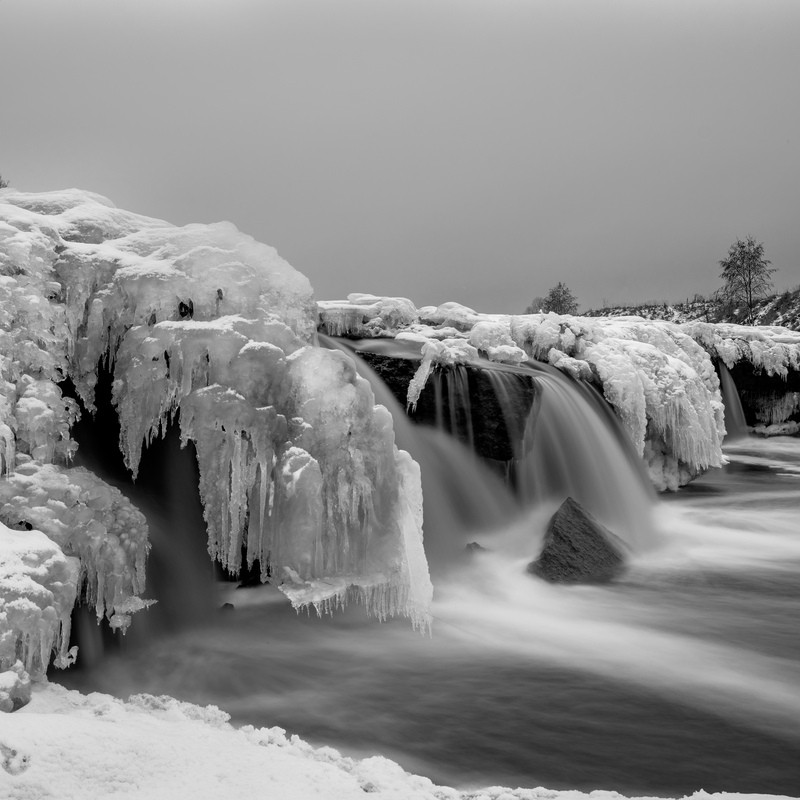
(578, 549)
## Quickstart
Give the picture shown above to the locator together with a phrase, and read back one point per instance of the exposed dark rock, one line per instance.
(226, 607)
(474, 547)
(476, 414)
(578, 549)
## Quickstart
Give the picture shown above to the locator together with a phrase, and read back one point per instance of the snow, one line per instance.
(91, 747)
(203, 325)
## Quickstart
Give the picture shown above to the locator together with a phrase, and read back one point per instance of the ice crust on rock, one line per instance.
(205, 325)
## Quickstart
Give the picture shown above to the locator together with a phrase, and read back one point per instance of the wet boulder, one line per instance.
(578, 549)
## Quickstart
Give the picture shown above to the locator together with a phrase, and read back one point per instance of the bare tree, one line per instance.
(559, 300)
(3, 183)
(747, 276)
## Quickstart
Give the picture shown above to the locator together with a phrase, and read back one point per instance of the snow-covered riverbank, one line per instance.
(67, 745)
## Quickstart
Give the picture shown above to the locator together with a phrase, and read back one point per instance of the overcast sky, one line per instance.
(468, 150)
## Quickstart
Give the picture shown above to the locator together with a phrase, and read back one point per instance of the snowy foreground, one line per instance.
(67, 745)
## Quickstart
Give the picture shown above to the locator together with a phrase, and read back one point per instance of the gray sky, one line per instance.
(468, 150)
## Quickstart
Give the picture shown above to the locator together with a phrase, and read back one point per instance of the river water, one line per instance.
(683, 675)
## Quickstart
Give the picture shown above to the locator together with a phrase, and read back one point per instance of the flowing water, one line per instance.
(684, 674)
(735, 422)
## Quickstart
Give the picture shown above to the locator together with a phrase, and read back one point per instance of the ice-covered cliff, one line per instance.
(298, 467)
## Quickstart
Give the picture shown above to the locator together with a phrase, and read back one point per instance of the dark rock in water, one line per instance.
(474, 547)
(578, 549)
(227, 607)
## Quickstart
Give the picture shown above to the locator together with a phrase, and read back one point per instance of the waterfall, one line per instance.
(454, 386)
(574, 446)
(461, 496)
(735, 423)
(569, 443)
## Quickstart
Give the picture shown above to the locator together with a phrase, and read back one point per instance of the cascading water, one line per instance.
(735, 422)
(461, 496)
(454, 385)
(571, 448)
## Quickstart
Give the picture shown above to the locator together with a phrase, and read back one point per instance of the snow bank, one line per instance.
(298, 466)
(77, 747)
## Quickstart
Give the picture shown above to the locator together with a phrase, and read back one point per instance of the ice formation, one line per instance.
(204, 324)
(38, 584)
(659, 376)
(772, 349)
(89, 519)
